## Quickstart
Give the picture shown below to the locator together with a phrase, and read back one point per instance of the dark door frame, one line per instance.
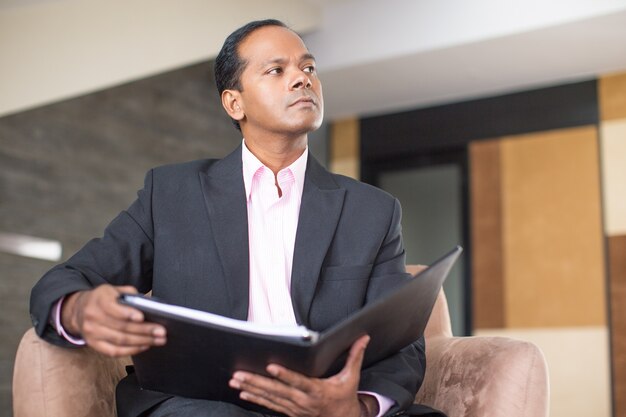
(371, 172)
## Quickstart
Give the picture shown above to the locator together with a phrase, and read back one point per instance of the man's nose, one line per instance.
(301, 80)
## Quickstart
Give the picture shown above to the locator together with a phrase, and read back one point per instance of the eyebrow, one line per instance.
(279, 60)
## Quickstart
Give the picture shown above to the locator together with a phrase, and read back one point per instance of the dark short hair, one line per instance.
(228, 65)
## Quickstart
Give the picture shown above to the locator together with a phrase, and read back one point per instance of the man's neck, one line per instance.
(277, 153)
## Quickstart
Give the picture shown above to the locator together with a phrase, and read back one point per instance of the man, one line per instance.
(265, 234)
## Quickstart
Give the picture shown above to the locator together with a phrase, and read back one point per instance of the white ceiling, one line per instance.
(374, 56)
(379, 57)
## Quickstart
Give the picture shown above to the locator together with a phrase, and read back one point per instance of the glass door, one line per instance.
(433, 194)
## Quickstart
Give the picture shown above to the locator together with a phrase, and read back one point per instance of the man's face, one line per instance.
(281, 93)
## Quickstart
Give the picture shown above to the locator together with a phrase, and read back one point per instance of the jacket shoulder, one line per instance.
(361, 189)
(184, 168)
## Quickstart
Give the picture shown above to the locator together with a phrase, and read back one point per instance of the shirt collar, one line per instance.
(251, 165)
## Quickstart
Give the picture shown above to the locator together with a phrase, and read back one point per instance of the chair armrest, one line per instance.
(56, 382)
(485, 376)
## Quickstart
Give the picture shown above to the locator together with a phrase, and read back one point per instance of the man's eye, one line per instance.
(275, 71)
(309, 69)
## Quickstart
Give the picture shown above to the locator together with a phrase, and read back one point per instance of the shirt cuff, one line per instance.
(384, 403)
(59, 327)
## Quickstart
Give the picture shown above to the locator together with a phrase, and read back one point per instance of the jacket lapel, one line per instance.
(224, 195)
(320, 209)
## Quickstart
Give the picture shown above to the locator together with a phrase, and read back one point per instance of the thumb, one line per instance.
(129, 289)
(352, 368)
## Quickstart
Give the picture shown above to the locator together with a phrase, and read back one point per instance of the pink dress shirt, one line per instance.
(272, 226)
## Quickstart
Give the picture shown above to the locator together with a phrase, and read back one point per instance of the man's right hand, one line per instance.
(108, 326)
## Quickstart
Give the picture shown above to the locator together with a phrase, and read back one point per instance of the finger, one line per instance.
(291, 378)
(110, 304)
(103, 300)
(245, 380)
(266, 387)
(264, 402)
(115, 337)
(352, 368)
(116, 351)
(140, 329)
(267, 392)
(113, 319)
(126, 289)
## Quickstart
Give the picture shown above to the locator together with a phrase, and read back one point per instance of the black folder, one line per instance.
(202, 353)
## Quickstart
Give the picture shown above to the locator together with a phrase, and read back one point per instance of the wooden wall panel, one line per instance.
(486, 226)
(617, 268)
(612, 95)
(344, 148)
(553, 244)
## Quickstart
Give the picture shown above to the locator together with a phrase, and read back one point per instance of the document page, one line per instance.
(142, 303)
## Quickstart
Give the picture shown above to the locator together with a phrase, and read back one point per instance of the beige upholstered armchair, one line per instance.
(465, 376)
(481, 376)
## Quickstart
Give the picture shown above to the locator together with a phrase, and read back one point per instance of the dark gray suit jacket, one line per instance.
(186, 239)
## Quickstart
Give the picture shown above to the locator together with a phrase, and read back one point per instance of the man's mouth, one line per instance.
(303, 100)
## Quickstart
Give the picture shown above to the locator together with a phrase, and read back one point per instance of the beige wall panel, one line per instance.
(578, 366)
(344, 148)
(486, 226)
(617, 273)
(613, 139)
(612, 92)
(552, 228)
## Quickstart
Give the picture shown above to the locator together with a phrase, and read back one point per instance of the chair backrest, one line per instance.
(439, 321)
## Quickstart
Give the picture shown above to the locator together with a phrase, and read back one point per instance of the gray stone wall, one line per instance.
(67, 169)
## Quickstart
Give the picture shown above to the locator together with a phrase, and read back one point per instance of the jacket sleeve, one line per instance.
(122, 256)
(399, 376)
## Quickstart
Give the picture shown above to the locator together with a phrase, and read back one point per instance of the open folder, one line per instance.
(203, 350)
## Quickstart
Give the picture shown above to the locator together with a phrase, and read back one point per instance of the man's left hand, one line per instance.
(297, 395)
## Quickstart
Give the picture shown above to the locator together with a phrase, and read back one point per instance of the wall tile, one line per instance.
(612, 96)
(613, 143)
(486, 225)
(552, 228)
(617, 274)
(344, 148)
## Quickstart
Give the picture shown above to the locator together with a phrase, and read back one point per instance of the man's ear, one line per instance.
(232, 103)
